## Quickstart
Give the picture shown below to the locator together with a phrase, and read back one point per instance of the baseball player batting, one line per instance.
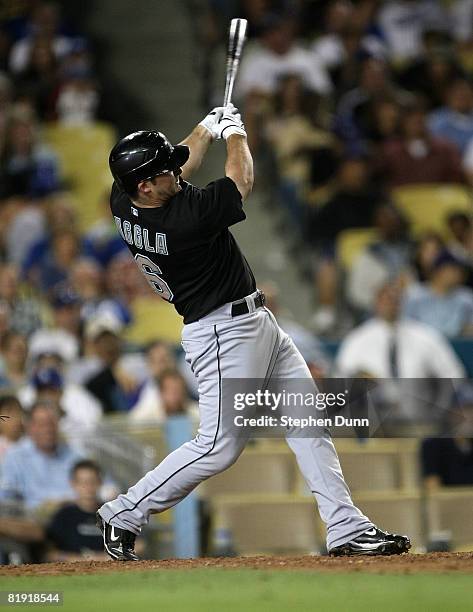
(179, 236)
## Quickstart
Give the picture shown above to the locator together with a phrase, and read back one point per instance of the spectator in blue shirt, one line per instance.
(30, 168)
(36, 469)
(443, 302)
(454, 121)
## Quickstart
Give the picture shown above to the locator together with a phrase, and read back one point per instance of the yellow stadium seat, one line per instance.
(83, 154)
(259, 524)
(450, 511)
(376, 465)
(380, 465)
(428, 206)
(258, 470)
(351, 243)
(465, 57)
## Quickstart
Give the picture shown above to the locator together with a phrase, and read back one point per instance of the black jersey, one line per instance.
(185, 249)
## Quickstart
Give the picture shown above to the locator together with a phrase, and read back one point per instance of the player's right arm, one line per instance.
(239, 164)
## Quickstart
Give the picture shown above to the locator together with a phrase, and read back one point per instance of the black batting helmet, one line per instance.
(140, 156)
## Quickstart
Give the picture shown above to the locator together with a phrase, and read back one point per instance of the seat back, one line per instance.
(256, 471)
(377, 464)
(351, 243)
(428, 206)
(83, 154)
(450, 510)
(278, 524)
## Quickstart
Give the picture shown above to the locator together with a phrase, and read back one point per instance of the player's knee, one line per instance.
(222, 454)
(227, 456)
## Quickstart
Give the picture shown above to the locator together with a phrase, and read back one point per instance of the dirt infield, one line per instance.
(405, 564)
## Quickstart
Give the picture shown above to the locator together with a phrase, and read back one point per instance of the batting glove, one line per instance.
(212, 118)
(230, 123)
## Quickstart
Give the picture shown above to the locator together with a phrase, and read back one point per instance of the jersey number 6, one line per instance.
(151, 272)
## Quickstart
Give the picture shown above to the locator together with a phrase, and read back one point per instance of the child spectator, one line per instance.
(72, 530)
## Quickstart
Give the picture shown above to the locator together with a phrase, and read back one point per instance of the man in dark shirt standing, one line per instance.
(447, 460)
(179, 236)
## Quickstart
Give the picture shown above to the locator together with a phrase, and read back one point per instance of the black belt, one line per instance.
(241, 307)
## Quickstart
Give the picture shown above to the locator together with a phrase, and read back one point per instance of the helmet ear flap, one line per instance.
(180, 154)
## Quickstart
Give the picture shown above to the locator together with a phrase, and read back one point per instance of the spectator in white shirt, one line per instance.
(346, 36)
(403, 22)
(329, 47)
(278, 54)
(461, 15)
(45, 23)
(387, 346)
(63, 337)
(77, 99)
(81, 409)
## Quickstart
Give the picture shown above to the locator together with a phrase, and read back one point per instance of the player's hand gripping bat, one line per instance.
(235, 45)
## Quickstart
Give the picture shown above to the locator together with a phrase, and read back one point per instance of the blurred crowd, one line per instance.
(360, 118)
(67, 295)
(344, 102)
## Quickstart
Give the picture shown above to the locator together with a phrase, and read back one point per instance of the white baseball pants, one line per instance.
(220, 346)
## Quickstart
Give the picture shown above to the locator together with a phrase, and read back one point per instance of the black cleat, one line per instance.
(373, 542)
(119, 543)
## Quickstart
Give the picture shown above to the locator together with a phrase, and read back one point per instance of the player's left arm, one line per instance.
(199, 140)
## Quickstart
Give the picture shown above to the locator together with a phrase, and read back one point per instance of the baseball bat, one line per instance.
(236, 40)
